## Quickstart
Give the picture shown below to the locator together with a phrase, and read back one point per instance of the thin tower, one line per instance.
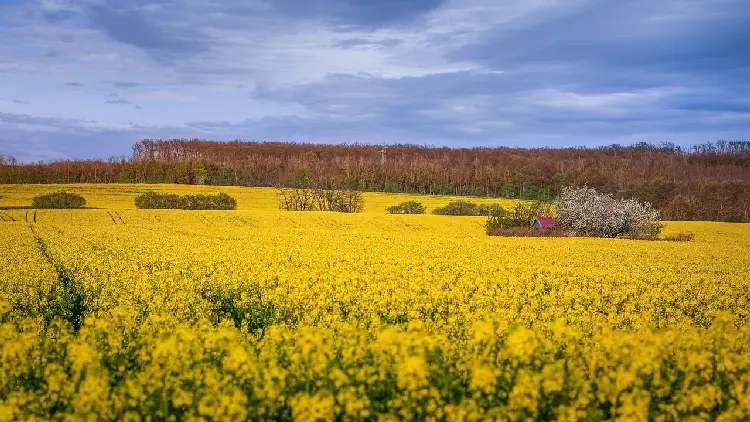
(382, 155)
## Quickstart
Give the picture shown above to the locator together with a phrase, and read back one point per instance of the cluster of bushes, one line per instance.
(59, 200)
(586, 212)
(408, 207)
(467, 208)
(307, 199)
(583, 212)
(522, 215)
(153, 200)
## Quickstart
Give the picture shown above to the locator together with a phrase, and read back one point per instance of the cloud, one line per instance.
(629, 44)
(133, 27)
(118, 101)
(357, 13)
(21, 121)
(73, 84)
(13, 101)
(124, 84)
(368, 43)
(452, 72)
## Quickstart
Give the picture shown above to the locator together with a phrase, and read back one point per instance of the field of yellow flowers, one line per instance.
(114, 313)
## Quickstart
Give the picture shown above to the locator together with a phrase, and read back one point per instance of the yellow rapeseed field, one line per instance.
(114, 313)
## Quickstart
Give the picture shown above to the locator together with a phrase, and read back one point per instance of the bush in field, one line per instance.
(457, 208)
(304, 199)
(467, 208)
(408, 207)
(59, 200)
(156, 201)
(586, 212)
(221, 201)
(153, 200)
(340, 200)
(521, 215)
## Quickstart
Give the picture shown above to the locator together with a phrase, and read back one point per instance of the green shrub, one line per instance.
(156, 201)
(221, 201)
(153, 200)
(457, 208)
(59, 200)
(408, 207)
(467, 208)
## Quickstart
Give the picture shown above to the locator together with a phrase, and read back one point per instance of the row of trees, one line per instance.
(706, 182)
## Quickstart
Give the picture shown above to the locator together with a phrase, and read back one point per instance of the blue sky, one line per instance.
(88, 78)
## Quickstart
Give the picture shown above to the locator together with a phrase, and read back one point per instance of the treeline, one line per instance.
(706, 182)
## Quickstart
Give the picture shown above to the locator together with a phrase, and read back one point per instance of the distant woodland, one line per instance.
(705, 182)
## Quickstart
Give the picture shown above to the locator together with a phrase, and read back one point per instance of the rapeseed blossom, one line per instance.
(271, 315)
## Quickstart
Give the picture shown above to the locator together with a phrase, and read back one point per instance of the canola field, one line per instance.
(114, 313)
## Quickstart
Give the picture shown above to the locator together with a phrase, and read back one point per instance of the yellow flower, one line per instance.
(412, 373)
(483, 378)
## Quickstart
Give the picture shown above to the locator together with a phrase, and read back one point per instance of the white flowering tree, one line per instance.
(586, 212)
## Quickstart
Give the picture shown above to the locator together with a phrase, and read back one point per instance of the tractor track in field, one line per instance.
(31, 219)
(206, 220)
(120, 217)
(70, 299)
(4, 216)
(112, 217)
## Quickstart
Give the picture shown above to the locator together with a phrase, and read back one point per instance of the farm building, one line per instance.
(544, 223)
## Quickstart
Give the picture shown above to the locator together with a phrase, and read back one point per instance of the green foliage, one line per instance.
(460, 207)
(490, 210)
(59, 200)
(302, 178)
(247, 309)
(680, 237)
(153, 200)
(200, 173)
(68, 300)
(222, 201)
(521, 215)
(467, 208)
(408, 207)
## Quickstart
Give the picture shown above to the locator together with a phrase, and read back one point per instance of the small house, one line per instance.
(544, 223)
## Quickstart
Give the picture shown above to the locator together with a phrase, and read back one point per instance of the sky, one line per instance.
(88, 78)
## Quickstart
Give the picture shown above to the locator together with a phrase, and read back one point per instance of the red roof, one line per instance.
(547, 222)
